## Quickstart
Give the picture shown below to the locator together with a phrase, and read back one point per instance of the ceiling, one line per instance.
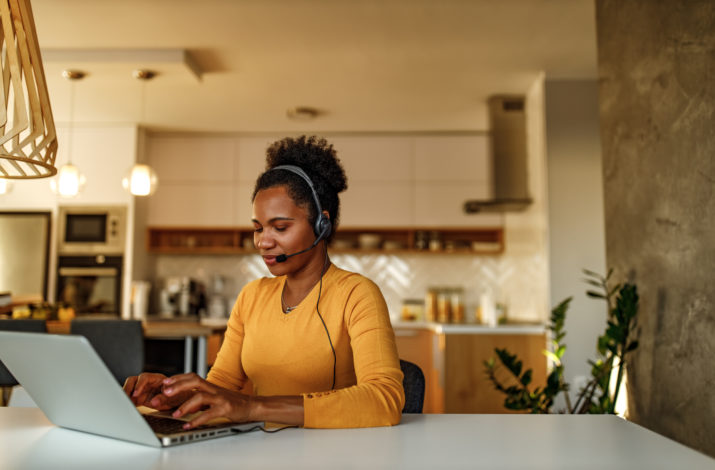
(367, 65)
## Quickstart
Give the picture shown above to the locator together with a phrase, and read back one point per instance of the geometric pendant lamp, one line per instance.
(28, 141)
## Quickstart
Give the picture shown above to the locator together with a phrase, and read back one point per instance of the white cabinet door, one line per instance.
(452, 159)
(192, 159)
(377, 205)
(379, 171)
(448, 171)
(441, 205)
(188, 205)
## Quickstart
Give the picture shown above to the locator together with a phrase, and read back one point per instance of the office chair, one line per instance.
(119, 343)
(7, 381)
(414, 385)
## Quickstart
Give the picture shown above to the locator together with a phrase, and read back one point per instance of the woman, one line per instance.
(312, 346)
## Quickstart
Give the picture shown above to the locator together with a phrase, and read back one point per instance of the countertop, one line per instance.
(470, 328)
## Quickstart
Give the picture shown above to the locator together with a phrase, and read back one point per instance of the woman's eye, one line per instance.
(257, 229)
(280, 229)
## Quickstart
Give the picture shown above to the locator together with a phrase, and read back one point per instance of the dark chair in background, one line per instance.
(7, 381)
(120, 343)
(414, 385)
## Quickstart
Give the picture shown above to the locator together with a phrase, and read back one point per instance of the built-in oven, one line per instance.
(90, 284)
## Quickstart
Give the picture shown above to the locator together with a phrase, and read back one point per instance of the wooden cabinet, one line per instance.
(455, 381)
(467, 388)
(422, 347)
(227, 240)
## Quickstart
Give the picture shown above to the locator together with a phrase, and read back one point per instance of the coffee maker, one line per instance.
(182, 297)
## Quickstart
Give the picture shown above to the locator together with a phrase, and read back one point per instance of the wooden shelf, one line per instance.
(398, 240)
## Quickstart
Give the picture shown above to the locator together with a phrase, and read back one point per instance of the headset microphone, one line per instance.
(282, 258)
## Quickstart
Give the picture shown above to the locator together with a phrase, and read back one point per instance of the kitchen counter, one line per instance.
(470, 328)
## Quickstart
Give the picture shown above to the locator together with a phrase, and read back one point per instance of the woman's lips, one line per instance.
(270, 260)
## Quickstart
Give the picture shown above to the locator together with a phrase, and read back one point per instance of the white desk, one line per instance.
(29, 441)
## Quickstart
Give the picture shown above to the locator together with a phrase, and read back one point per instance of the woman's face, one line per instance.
(281, 227)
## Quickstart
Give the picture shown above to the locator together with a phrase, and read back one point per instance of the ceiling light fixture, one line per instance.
(5, 186)
(302, 113)
(28, 140)
(141, 179)
(70, 180)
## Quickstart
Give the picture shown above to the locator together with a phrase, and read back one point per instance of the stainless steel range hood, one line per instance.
(507, 120)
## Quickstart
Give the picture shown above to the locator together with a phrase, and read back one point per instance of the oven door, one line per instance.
(90, 284)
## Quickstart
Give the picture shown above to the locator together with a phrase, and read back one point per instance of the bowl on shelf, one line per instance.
(369, 241)
(342, 244)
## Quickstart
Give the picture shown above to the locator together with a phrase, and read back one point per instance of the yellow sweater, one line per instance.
(289, 354)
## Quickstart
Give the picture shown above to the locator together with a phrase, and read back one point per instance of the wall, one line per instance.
(104, 154)
(576, 225)
(657, 109)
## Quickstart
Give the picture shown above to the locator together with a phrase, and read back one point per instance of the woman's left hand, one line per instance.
(217, 402)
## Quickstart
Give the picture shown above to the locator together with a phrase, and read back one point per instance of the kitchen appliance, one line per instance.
(86, 230)
(507, 122)
(140, 299)
(90, 284)
(217, 306)
(182, 296)
(24, 253)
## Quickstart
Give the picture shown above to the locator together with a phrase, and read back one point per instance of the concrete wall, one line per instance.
(576, 227)
(656, 68)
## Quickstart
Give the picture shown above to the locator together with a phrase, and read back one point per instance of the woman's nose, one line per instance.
(262, 240)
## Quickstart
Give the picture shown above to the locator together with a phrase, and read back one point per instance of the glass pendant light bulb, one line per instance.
(5, 186)
(69, 180)
(141, 180)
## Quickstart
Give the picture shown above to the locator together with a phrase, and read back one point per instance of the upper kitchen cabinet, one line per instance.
(380, 190)
(449, 170)
(393, 180)
(195, 180)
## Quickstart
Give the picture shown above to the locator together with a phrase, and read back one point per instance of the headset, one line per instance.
(322, 228)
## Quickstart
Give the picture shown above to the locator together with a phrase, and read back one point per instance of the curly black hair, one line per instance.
(318, 159)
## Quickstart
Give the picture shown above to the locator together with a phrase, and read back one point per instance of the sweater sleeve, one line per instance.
(378, 397)
(227, 371)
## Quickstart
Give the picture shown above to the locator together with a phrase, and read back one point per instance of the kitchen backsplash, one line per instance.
(519, 282)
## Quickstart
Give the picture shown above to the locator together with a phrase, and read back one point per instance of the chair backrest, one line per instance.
(32, 326)
(120, 343)
(414, 385)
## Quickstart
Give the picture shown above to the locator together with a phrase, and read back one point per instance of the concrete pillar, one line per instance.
(656, 62)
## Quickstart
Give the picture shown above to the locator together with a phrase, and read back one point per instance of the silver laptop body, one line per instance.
(69, 382)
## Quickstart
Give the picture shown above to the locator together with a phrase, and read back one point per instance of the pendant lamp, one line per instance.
(70, 180)
(141, 179)
(28, 141)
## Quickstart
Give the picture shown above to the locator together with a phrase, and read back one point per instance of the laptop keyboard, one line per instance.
(163, 425)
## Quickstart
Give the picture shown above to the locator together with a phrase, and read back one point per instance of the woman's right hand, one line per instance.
(145, 389)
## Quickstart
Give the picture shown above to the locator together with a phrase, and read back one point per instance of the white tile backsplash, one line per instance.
(521, 282)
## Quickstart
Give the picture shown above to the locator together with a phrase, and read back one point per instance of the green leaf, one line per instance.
(560, 352)
(595, 295)
(591, 273)
(552, 356)
(526, 378)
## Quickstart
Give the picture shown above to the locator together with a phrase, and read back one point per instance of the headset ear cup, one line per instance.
(323, 228)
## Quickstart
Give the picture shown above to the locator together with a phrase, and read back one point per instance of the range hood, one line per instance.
(507, 120)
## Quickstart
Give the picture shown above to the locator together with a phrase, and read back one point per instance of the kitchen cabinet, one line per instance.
(238, 240)
(410, 180)
(452, 362)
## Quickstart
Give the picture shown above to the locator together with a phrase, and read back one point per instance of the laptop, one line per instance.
(73, 387)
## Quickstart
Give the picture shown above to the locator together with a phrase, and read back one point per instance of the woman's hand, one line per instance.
(217, 402)
(146, 389)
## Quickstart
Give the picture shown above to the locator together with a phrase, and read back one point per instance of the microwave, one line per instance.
(91, 229)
